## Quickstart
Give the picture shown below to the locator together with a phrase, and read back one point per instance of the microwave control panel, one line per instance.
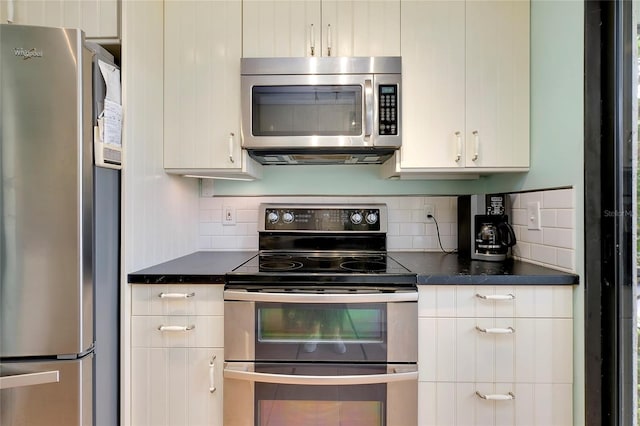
(388, 109)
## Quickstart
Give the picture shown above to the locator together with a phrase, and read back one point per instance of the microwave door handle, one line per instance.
(289, 379)
(368, 108)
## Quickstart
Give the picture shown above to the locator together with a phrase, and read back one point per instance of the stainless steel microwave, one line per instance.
(321, 110)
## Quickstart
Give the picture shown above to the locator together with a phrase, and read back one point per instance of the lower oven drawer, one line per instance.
(264, 394)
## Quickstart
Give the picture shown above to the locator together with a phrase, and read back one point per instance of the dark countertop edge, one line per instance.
(568, 279)
(175, 279)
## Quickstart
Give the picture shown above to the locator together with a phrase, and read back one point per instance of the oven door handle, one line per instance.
(242, 295)
(242, 373)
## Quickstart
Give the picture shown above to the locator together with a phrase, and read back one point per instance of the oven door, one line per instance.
(320, 394)
(309, 327)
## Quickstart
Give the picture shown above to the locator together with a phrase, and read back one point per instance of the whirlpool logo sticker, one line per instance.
(27, 53)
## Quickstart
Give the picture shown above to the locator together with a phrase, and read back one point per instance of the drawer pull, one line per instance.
(508, 330)
(180, 328)
(176, 295)
(212, 377)
(496, 397)
(496, 296)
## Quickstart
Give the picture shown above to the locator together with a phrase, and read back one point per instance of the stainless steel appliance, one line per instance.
(321, 325)
(484, 231)
(51, 194)
(321, 110)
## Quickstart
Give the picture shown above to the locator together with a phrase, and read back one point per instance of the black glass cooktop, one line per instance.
(313, 262)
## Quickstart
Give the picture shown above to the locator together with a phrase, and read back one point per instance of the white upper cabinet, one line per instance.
(465, 87)
(100, 19)
(202, 47)
(321, 28)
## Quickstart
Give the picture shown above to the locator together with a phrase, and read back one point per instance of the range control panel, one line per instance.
(314, 218)
(388, 109)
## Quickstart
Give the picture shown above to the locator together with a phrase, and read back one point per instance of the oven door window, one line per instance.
(321, 332)
(354, 405)
(311, 110)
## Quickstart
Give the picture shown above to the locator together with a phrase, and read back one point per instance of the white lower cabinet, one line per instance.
(177, 355)
(495, 355)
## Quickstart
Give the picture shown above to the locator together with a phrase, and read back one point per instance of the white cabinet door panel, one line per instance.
(170, 386)
(433, 97)
(98, 18)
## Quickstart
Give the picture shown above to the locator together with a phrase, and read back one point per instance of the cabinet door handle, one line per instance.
(231, 136)
(329, 40)
(458, 146)
(180, 328)
(508, 330)
(496, 296)
(497, 397)
(176, 295)
(312, 40)
(476, 145)
(212, 375)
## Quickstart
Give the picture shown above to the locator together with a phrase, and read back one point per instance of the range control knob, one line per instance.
(372, 218)
(287, 217)
(356, 218)
(273, 217)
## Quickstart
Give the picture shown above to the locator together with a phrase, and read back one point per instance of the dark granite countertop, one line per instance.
(202, 267)
(442, 268)
(209, 267)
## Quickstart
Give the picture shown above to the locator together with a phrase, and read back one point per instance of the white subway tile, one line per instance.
(565, 218)
(558, 237)
(205, 215)
(558, 199)
(566, 259)
(249, 215)
(393, 229)
(518, 217)
(205, 242)
(399, 243)
(543, 254)
(400, 216)
(413, 229)
(207, 228)
(530, 235)
(530, 197)
(522, 250)
(225, 242)
(422, 243)
(210, 203)
(547, 218)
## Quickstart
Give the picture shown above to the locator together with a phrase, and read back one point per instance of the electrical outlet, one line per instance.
(228, 215)
(429, 210)
(533, 216)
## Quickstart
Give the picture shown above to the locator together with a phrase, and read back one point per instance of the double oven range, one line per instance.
(321, 325)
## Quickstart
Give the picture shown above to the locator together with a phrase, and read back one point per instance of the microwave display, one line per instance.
(307, 110)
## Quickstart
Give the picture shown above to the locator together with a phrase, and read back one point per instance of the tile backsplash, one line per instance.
(554, 244)
(408, 229)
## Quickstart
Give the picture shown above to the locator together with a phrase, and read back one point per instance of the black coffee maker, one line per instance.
(484, 232)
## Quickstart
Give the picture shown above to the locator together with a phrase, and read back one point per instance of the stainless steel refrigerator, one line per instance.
(48, 253)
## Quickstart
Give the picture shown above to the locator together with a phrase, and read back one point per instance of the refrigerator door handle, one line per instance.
(29, 379)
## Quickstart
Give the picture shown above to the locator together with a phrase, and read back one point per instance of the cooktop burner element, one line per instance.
(333, 244)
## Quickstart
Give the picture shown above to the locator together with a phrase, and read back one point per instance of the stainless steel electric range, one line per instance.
(321, 325)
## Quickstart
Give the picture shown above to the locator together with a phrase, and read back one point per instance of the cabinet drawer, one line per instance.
(534, 350)
(177, 331)
(177, 299)
(458, 404)
(495, 301)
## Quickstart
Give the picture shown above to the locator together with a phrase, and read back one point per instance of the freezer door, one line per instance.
(56, 393)
(46, 299)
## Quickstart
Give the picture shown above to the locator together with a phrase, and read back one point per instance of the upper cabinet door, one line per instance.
(99, 19)
(202, 85)
(320, 28)
(281, 28)
(361, 28)
(497, 83)
(433, 95)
